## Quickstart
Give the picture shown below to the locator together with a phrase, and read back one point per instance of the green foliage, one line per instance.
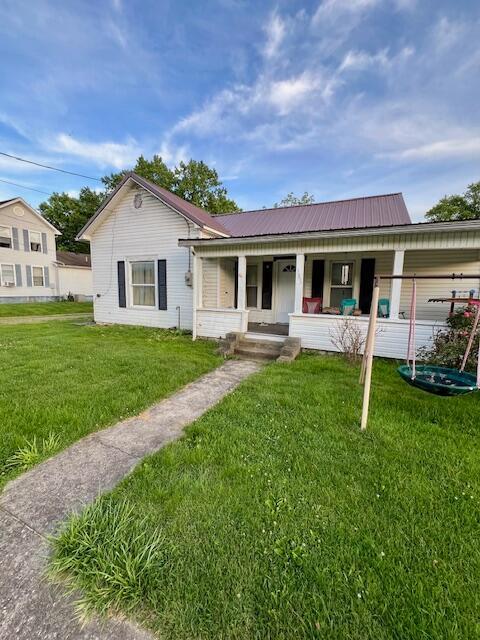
(457, 207)
(75, 379)
(274, 517)
(130, 551)
(193, 181)
(449, 346)
(69, 214)
(31, 453)
(291, 200)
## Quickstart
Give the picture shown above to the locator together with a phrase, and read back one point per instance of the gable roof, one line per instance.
(71, 259)
(188, 210)
(4, 203)
(355, 213)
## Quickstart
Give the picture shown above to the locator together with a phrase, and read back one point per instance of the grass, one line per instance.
(44, 308)
(274, 517)
(60, 381)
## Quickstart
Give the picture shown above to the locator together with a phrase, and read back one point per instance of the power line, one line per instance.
(23, 186)
(46, 166)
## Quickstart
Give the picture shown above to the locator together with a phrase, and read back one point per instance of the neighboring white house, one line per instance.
(31, 270)
(74, 275)
(27, 254)
(160, 261)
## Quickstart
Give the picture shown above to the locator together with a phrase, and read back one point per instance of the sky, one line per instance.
(340, 98)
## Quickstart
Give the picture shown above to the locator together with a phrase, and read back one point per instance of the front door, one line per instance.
(285, 293)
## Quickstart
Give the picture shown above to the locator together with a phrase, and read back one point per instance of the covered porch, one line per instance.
(300, 290)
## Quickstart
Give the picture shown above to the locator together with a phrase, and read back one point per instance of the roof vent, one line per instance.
(19, 211)
(137, 201)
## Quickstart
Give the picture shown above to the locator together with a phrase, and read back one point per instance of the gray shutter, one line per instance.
(162, 285)
(44, 243)
(26, 240)
(122, 299)
(46, 276)
(28, 269)
(18, 275)
(15, 238)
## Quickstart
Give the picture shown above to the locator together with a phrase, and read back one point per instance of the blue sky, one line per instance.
(337, 97)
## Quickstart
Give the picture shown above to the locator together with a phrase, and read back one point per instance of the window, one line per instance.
(142, 279)
(37, 275)
(342, 282)
(252, 278)
(7, 275)
(35, 241)
(6, 237)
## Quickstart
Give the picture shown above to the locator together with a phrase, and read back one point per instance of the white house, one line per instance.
(27, 254)
(31, 270)
(161, 261)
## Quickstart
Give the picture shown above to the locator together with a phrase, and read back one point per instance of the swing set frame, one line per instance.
(367, 360)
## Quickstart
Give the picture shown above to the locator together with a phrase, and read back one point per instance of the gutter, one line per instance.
(408, 229)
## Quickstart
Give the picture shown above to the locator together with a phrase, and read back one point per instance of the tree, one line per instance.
(154, 170)
(68, 214)
(291, 200)
(194, 181)
(457, 207)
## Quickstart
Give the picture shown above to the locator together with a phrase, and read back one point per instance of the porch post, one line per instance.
(299, 273)
(197, 293)
(242, 283)
(396, 285)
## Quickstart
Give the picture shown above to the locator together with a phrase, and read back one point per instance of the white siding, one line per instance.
(128, 233)
(216, 323)
(437, 262)
(75, 280)
(391, 340)
(23, 258)
(210, 282)
(227, 283)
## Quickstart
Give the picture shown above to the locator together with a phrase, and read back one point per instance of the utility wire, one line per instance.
(46, 166)
(23, 186)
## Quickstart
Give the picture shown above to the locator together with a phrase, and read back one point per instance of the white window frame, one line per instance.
(38, 266)
(252, 264)
(7, 264)
(6, 226)
(130, 261)
(349, 261)
(30, 231)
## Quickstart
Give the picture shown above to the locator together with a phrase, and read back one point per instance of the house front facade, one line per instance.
(297, 271)
(27, 254)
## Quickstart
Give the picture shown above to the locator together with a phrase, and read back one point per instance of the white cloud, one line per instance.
(172, 156)
(329, 10)
(286, 95)
(275, 30)
(103, 154)
(442, 149)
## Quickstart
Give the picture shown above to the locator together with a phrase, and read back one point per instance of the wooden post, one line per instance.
(369, 332)
(368, 354)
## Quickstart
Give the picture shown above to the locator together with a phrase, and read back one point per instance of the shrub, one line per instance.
(348, 338)
(450, 344)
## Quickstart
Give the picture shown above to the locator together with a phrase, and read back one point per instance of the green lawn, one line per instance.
(276, 518)
(44, 308)
(60, 381)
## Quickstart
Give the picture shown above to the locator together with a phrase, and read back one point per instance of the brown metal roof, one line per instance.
(356, 213)
(70, 259)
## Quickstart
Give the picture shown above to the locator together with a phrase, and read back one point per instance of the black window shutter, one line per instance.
(162, 285)
(318, 272)
(122, 300)
(267, 272)
(367, 274)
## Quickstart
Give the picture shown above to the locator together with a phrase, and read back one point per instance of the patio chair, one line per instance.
(312, 305)
(347, 306)
(384, 308)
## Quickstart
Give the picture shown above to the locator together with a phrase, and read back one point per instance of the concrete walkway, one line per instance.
(35, 319)
(33, 505)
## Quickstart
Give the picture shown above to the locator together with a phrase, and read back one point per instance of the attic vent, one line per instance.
(137, 201)
(19, 211)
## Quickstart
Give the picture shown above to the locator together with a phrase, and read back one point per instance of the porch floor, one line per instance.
(276, 328)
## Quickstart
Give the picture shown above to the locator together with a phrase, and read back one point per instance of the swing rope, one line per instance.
(470, 344)
(411, 349)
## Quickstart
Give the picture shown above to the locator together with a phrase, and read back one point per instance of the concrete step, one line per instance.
(262, 345)
(256, 354)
